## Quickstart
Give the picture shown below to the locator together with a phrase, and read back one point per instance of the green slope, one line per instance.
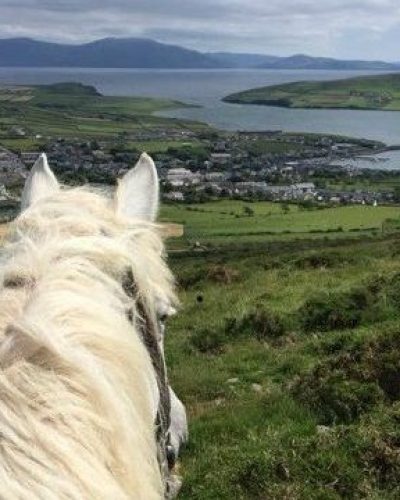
(78, 111)
(289, 365)
(380, 92)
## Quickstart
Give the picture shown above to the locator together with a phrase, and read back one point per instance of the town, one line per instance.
(271, 165)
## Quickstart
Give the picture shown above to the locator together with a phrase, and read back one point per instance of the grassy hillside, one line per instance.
(78, 111)
(380, 92)
(286, 354)
(289, 367)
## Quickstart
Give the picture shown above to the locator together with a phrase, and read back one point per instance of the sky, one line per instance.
(362, 29)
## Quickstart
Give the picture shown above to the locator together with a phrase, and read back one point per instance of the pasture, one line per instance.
(281, 407)
(286, 352)
(235, 222)
(72, 110)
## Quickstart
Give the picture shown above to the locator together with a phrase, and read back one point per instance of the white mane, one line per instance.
(77, 385)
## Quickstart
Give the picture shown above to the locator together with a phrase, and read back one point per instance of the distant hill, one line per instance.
(376, 92)
(302, 61)
(145, 53)
(105, 53)
(298, 61)
(233, 60)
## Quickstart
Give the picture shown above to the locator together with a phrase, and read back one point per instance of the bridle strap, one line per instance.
(149, 334)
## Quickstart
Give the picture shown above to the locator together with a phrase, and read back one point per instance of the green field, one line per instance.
(227, 222)
(286, 354)
(77, 111)
(380, 92)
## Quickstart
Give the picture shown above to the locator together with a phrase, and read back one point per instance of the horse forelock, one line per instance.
(77, 385)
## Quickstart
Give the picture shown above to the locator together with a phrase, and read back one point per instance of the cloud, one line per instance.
(342, 28)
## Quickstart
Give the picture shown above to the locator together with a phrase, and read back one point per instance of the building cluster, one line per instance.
(228, 165)
(13, 170)
(182, 183)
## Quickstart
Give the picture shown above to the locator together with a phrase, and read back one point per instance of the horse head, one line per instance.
(85, 297)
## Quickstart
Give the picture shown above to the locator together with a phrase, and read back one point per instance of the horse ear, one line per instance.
(40, 183)
(138, 191)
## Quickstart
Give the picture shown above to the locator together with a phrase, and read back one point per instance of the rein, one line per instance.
(149, 332)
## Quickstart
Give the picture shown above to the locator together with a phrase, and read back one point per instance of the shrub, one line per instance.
(260, 324)
(386, 364)
(336, 394)
(393, 290)
(381, 452)
(208, 341)
(336, 310)
(328, 312)
(352, 381)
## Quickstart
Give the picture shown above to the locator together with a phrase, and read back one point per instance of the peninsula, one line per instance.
(376, 92)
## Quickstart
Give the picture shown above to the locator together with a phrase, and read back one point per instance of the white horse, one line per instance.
(86, 411)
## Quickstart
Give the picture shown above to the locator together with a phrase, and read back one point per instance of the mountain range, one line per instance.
(146, 53)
